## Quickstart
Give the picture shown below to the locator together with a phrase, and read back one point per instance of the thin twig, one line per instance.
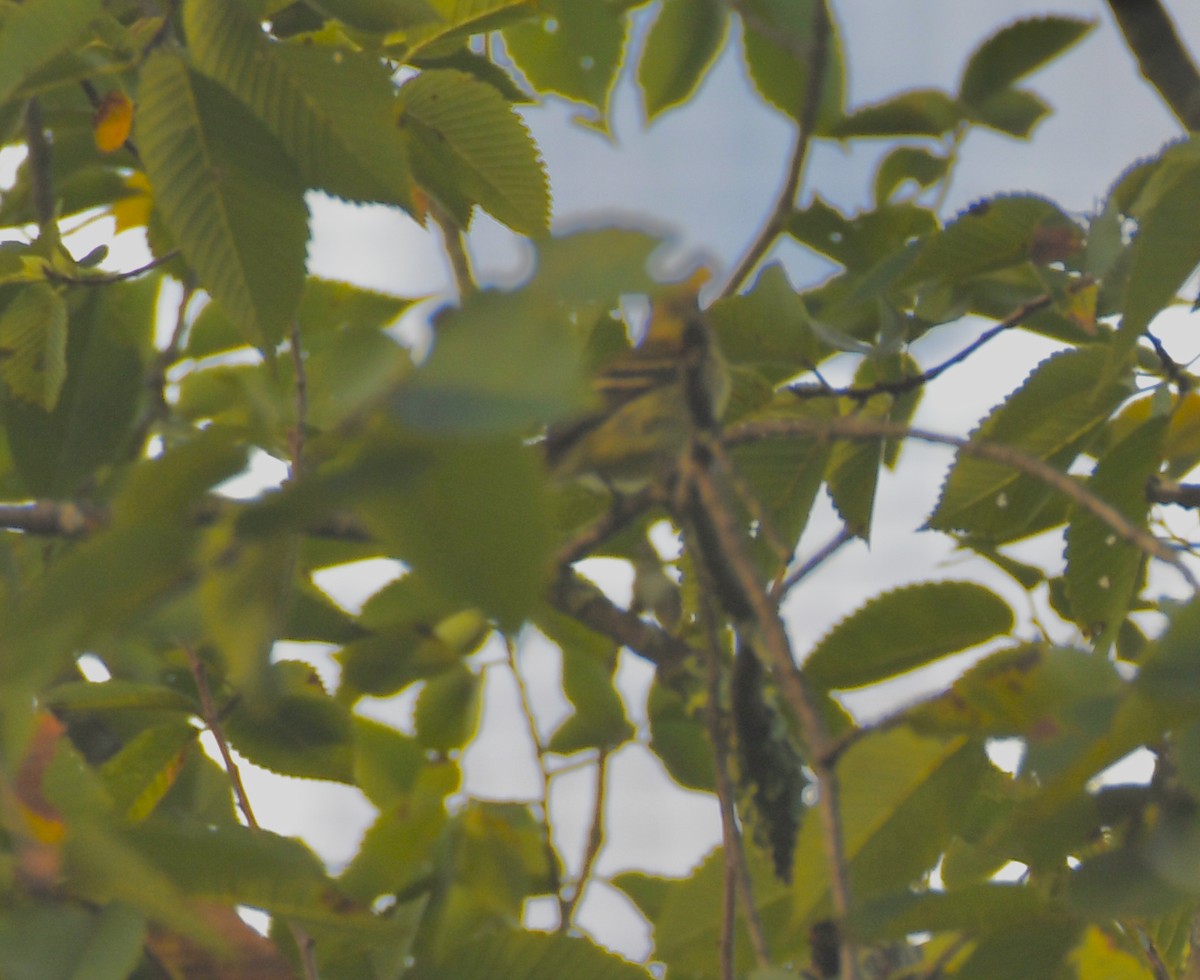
(41, 186)
(581, 600)
(823, 554)
(1161, 56)
(212, 721)
(737, 877)
(858, 427)
(623, 509)
(296, 438)
(108, 278)
(539, 751)
(1171, 367)
(815, 58)
(903, 385)
(595, 839)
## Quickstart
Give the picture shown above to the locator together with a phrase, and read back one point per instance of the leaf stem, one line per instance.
(595, 838)
(539, 752)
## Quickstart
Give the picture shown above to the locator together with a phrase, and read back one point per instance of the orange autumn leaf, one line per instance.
(112, 122)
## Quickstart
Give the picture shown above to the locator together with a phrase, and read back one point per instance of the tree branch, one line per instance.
(904, 385)
(771, 641)
(1161, 56)
(815, 57)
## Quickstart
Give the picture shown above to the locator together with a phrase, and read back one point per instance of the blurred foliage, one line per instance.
(128, 398)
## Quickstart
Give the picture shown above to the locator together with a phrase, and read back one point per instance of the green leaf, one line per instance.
(502, 362)
(387, 763)
(33, 345)
(476, 523)
(680, 46)
(228, 194)
(300, 731)
(447, 711)
(1167, 247)
(778, 38)
(901, 798)
(865, 240)
(1052, 416)
(767, 328)
(107, 342)
(904, 629)
(1014, 112)
(990, 235)
(920, 112)
(144, 770)
(62, 940)
(244, 866)
(379, 16)
(1014, 52)
(906, 163)
(33, 33)
(331, 108)
(471, 148)
(115, 695)
(1103, 571)
(244, 595)
(786, 474)
(679, 739)
(599, 719)
(574, 50)
(536, 956)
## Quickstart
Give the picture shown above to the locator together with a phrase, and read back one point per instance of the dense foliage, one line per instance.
(142, 606)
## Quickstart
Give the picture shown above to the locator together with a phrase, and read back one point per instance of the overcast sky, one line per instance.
(709, 172)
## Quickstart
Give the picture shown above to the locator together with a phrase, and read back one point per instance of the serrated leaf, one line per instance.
(115, 695)
(1016, 50)
(300, 731)
(777, 39)
(767, 327)
(447, 711)
(108, 339)
(680, 46)
(1167, 247)
(228, 194)
(1103, 570)
(471, 148)
(246, 866)
(904, 629)
(331, 108)
(33, 345)
(535, 956)
(1052, 416)
(1014, 112)
(574, 50)
(990, 235)
(33, 33)
(144, 770)
(864, 240)
(920, 112)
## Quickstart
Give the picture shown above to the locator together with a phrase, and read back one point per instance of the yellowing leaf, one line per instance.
(133, 211)
(112, 121)
(1098, 957)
